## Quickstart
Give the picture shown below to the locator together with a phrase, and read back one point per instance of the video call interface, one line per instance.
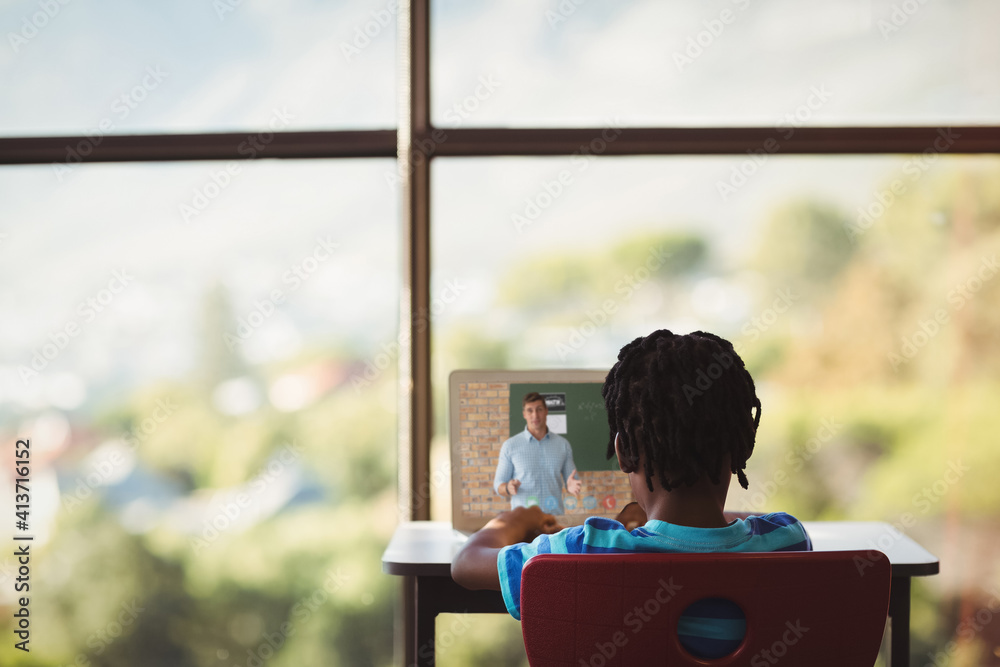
(490, 412)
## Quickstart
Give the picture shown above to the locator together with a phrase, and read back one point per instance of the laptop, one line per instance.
(485, 409)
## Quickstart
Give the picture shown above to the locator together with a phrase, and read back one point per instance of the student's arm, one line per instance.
(475, 565)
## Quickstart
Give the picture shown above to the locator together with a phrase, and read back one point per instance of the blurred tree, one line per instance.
(220, 357)
(106, 599)
(222, 599)
(552, 285)
(804, 245)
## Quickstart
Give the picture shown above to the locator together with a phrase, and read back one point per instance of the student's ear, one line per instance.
(623, 462)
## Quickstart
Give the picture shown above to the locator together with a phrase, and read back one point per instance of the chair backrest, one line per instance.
(600, 610)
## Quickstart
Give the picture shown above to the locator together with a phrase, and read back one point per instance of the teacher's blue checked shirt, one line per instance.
(710, 631)
(542, 467)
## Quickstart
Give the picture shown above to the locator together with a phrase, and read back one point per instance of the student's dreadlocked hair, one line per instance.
(683, 403)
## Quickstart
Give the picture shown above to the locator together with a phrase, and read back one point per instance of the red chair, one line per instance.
(801, 608)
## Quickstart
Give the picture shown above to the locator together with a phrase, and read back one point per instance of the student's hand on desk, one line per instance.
(523, 524)
(475, 564)
(573, 484)
(632, 516)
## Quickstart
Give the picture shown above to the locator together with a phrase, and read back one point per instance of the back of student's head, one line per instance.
(684, 403)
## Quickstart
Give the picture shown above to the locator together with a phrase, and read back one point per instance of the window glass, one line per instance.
(121, 67)
(860, 291)
(191, 350)
(721, 63)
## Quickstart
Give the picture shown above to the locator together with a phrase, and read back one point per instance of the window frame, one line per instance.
(416, 142)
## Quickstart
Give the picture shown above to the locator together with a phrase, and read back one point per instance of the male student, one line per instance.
(683, 415)
(536, 464)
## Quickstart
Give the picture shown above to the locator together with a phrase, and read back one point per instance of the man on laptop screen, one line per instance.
(536, 464)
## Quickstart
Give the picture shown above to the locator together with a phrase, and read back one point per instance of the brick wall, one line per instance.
(484, 425)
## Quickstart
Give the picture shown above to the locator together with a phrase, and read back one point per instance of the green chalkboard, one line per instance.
(586, 420)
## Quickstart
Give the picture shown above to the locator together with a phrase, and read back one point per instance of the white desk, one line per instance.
(421, 552)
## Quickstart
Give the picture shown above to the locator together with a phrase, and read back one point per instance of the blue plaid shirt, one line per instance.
(542, 467)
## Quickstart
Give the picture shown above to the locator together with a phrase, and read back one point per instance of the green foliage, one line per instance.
(105, 600)
(552, 284)
(686, 252)
(306, 575)
(478, 639)
(804, 244)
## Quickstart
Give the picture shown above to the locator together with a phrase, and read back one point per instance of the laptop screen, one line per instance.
(486, 411)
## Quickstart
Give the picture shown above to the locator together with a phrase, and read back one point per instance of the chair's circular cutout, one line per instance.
(711, 628)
